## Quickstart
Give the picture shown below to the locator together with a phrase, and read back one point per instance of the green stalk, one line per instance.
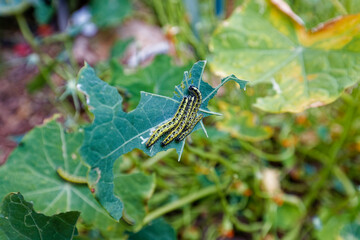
(228, 212)
(268, 156)
(331, 162)
(25, 30)
(180, 203)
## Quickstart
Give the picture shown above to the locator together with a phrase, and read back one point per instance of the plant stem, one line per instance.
(180, 203)
(238, 225)
(268, 156)
(331, 161)
(25, 30)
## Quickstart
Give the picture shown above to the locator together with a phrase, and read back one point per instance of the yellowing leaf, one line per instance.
(305, 68)
(242, 124)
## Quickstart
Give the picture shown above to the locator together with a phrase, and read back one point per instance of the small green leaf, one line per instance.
(332, 227)
(12, 7)
(40, 79)
(304, 68)
(109, 13)
(119, 48)
(115, 132)
(43, 11)
(134, 190)
(157, 229)
(350, 232)
(31, 170)
(18, 221)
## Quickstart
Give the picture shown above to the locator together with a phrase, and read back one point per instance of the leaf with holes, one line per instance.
(115, 132)
(18, 220)
(31, 170)
(305, 68)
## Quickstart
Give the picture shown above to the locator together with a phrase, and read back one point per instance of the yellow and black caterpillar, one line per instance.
(161, 130)
(183, 122)
(179, 128)
(193, 118)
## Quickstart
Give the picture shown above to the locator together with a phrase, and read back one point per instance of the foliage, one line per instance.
(114, 132)
(311, 68)
(273, 165)
(109, 14)
(18, 220)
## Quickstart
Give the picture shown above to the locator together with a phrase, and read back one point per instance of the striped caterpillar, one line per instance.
(193, 118)
(190, 127)
(161, 130)
(183, 122)
(70, 178)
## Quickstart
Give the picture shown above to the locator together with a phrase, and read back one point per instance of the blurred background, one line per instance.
(288, 146)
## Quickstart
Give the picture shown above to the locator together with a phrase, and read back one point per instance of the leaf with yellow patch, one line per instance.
(263, 44)
(242, 124)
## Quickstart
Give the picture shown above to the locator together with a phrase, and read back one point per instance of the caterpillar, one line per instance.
(184, 119)
(196, 92)
(70, 178)
(193, 114)
(188, 130)
(193, 118)
(168, 125)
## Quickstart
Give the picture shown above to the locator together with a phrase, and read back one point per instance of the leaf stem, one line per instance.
(331, 161)
(268, 156)
(26, 32)
(180, 203)
(238, 225)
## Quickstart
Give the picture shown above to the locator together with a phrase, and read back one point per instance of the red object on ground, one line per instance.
(22, 49)
(44, 30)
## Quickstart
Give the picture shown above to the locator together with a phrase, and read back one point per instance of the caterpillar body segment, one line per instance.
(182, 123)
(161, 130)
(189, 128)
(196, 92)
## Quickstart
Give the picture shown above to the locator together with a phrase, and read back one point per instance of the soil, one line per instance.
(19, 110)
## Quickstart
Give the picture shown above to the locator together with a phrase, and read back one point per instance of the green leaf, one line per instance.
(31, 169)
(43, 11)
(40, 80)
(333, 226)
(313, 15)
(288, 216)
(305, 68)
(115, 132)
(158, 229)
(109, 13)
(242, 124)
(350, 232)
(19, 221)
(119, 48)
(12, 7)
(134, 190)
(160, 77)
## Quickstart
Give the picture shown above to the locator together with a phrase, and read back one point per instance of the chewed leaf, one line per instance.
(32, 170)
(18, 220)
(115, 132)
